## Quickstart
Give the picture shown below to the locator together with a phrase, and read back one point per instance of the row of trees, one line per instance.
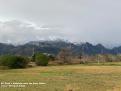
(65, 56)
(39, 59)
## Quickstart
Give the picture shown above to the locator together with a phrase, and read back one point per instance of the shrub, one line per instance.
(13, 61)
(41, 59)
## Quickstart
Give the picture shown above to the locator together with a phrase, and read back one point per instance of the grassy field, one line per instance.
(65, 78)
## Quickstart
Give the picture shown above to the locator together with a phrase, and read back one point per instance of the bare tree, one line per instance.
(65, 55)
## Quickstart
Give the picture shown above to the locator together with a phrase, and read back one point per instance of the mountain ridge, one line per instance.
(53, 47)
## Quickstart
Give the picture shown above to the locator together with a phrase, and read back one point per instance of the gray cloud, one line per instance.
(96, 21)
(21, 32)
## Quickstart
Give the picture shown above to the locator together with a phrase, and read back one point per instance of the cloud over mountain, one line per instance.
(18, 32)
(95, 21)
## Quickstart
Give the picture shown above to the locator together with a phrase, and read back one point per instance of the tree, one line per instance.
(41, 59)
(65, 55)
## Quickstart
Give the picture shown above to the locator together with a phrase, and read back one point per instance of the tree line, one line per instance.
(65, 56)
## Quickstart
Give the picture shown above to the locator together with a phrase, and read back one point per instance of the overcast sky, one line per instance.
(95, 21)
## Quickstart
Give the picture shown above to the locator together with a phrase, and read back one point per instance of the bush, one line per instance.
(41, 59)
(13, 61)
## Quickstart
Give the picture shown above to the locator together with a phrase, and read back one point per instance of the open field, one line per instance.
(65, 78)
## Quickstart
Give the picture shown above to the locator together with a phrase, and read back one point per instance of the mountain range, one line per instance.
(53, 47)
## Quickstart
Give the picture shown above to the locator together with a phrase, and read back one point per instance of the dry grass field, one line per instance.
(64, 78)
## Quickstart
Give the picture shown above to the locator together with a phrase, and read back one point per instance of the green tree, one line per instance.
(41, 59)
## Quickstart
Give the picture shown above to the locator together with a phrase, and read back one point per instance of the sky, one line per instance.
(94, 21)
